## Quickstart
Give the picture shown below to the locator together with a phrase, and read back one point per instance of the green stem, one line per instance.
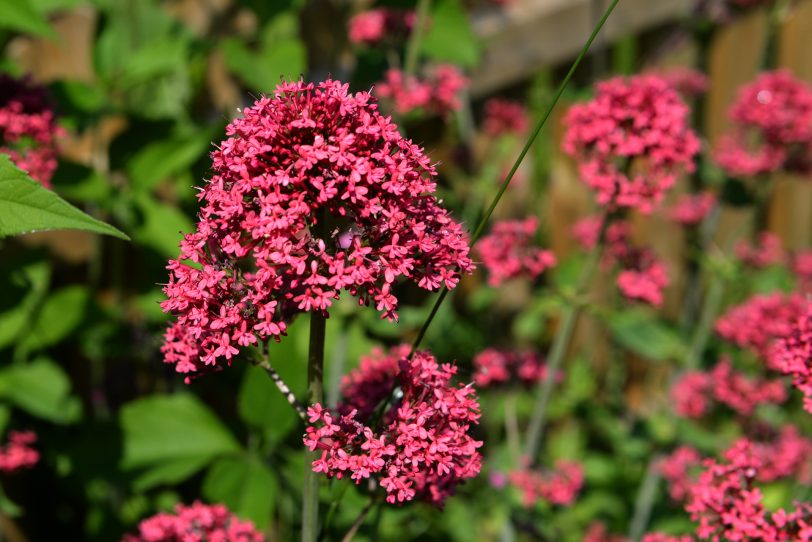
(527, 146)
(710, 309)
(645, 500)
(413, 46)
(558, 350)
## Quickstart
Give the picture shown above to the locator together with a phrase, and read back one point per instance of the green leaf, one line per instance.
(450, 37)
(163, 226)
(22, 16)
(245, 485)
(161, 159)
(61, 314)
(42, 389)
(170, 472)
(14, 321)
(174, 428)
(263, 71)
(641, 332)
(26, 206)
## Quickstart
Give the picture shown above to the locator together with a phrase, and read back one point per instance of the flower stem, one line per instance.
(419, 29)
(558, 350)
(280, 384)
(646, 496)
(527, 146)
(315, 394)
(360, 520)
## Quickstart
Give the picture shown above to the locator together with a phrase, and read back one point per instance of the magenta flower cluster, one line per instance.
(314, 193)
(504, 117)
(559, 486)
(438, 93)
(495, 366)
(510, 251)
(18, 453)
(691, 209)
(196, 523)
(424, 448)
(631, 141)
(28, 129)
(766, 251)
(374, 26)
(792, 354)
(772, 131)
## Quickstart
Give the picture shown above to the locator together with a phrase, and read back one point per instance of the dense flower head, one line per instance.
(509, 251)
(560, 485)
(423, 449)
(363, 388)
(493, 366)
(645, 283)
(631, 141)
(696, 392)
(28, 129)
(196, 523)
(438, 93)
(18, 453)
(313, 192)
(374, 26)
(760, 320)
(768, 250)
(504, 117)
(691, 209)
(676, 469)
(772, 131)
(792, 354)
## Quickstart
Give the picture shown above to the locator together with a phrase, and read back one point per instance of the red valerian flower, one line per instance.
(196, 523)
(504, 117)
(558, 486)
(493, 366)
(509, 251)
(775, 112)
(313, 192)
(792, 354)
(423, 449)
(631, 141)
(676, 468)
(18, 453)
(646, 283)
(377, 25)
(691, 209)
(438, 93)
(28, 129)
(767, 250)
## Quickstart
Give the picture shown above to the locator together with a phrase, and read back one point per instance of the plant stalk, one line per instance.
(419, 29)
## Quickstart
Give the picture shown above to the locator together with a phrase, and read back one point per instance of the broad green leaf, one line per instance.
(263, 71)
(243, 484)
(14, 321)
(164, 56)
(163, 226)
(23, 16)
(450, 37)
(165, 428)
(61, 314)
(170, 472)
(26, 206)
(162, 159)
(42, 389)
(642, 333)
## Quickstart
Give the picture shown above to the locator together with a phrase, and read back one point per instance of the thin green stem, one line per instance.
(418, 31)
(646, 496)
(360, 520)
(558, 350)
(527, 146)
(713, 301)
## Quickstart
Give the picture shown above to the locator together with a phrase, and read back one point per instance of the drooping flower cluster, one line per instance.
(196, 523)
(313, 192)
(378, 25)
(760, 320)
(509, 251)
(792, 354)
(19, 452)
(504, 117)
(493, 366)
(28, 129)
(695, 393)
(676, 469)
(437, 94)
(772, 127)
(728, 505)
(691, 209)
(767, 251)
(560, 485)
(631, 141)
(424, 448)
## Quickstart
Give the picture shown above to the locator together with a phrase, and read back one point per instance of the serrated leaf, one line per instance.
(450, 37)
(243, 484)
(23, 16)
(42, 389)
(172, 428)
(27, 206)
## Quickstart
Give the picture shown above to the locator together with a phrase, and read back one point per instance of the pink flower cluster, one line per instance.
(631, 141)
(757, 322)
(18, 453)
(687, 81)
(28, 129)
(775, 111)
(729, 506)
(424, 449)
(691, 209)
(509, 251)
(313, 192)
(196, 523)
(504, 117)
(493, 366)
(597, 533)
(382, 24)
(559, 486)
(792, 354)
(676, 470)
(645, 284)
(801, 263)
(695, 393)
(365, 387)
(784, 453)
(767, 251)
(437, 94)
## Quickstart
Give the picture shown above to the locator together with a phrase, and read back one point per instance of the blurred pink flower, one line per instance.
(437, 94)
(691, 209)
(504, 117)
(196, 523)
(377, 25)
(509, 251)
(560, 485)
(18, 453)
(767, 251)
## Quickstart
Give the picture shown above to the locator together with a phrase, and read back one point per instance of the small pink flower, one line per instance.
(792, 354)
(760, 320)
(644, 284)
(691, 209)
(504, 117)
(767, 251)
(493, 367)
(377, 25)
(509, 251)
(19, 453)
(196, 523)
(559, 486)
(676, 470)
(437, 93)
